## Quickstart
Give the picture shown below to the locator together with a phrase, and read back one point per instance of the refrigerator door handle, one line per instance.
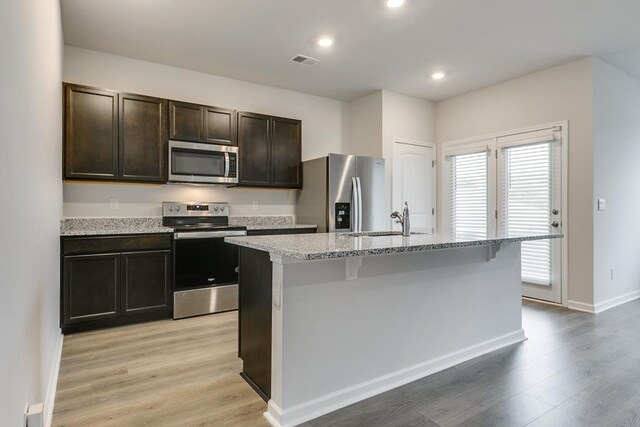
(359, 204)
(354, 203)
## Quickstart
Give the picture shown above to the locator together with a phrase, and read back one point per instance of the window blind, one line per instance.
(526, 205)
(468, 194)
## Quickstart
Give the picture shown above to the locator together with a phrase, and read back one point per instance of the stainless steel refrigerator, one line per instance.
(343, 193)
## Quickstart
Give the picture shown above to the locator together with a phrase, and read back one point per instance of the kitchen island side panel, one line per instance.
(254, 319)
(405, 316)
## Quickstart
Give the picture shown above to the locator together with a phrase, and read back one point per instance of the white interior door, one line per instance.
(413, 182)
(529, 201)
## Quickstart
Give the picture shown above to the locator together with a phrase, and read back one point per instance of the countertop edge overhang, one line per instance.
(286, 245)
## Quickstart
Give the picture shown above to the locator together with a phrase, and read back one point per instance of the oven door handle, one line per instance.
(208, 234)
(227, 162)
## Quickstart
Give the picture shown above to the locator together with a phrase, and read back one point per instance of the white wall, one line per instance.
(324, 129)
(559, 93)
(616, 178)
(30, 119)
(377, 119)
(365, 126)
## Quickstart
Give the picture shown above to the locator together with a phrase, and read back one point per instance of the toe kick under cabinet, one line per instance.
(114, 280)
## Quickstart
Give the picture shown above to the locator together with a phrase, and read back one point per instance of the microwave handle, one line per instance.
(227, 162)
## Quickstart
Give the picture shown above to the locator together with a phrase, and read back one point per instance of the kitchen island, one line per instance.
(329, 319)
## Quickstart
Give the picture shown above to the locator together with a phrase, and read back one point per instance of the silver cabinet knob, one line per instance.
(555, 224)
(555, 211)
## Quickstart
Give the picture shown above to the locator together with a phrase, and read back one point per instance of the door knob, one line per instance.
(555, 224)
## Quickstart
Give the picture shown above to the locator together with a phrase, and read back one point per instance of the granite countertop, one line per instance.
(342, 245)
(268, 222)
(148, 225)
(112, 226)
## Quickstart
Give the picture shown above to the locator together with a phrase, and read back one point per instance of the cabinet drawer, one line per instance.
(88, 245)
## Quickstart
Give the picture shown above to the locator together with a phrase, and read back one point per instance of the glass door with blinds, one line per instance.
(512, 184)
(529, 201)
(468, 194)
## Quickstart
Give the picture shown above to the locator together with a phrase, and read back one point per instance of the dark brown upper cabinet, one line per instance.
(254, 150)
(219, 126)
(114, 137)
(286, 152)
(91, 134)
(270, 151)
(185, 121)
(142, 138)
(201, 123)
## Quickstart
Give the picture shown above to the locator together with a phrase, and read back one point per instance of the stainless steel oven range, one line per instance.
(205, 268)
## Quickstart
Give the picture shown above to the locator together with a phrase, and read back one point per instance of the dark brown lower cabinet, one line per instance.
(254, 319)
(114, 280)
(91, 287)
(145, 281)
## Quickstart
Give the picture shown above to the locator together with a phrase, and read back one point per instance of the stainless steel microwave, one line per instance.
(193, 162)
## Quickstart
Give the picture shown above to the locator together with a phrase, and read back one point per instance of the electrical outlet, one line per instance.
(113, 204)
(255, 205)
(35, 415)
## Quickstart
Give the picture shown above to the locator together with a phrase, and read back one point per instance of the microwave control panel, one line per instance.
(233, 165)
(343, 216)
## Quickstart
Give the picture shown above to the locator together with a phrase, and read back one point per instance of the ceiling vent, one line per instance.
(304, 60)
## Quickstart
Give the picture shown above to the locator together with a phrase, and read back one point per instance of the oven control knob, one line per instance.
(177, 208)
(170, 208)
(215, 208)
(221, 208)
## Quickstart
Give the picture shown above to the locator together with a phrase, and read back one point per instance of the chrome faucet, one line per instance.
(403, 220)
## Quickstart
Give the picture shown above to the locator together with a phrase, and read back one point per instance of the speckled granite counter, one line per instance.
(147, 225)
(268, 222)
(111, 226)
(342, 245)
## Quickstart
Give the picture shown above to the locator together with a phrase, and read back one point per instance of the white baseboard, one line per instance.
(50, 397)
(581, 306)
(604, 305)
(614, 302)
(309, 410)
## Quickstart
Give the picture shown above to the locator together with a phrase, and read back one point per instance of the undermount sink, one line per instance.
(381, 233)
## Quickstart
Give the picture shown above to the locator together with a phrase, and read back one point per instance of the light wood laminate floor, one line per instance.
(576, 369)
(166, 373)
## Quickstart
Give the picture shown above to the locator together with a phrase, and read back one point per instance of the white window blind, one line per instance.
(468, 194)
(526, 205)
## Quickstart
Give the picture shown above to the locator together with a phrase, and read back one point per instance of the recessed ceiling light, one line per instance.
(438, 75)
(394, 3)
(325, 41)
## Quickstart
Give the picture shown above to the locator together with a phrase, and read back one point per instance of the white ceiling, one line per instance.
(478, 42)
